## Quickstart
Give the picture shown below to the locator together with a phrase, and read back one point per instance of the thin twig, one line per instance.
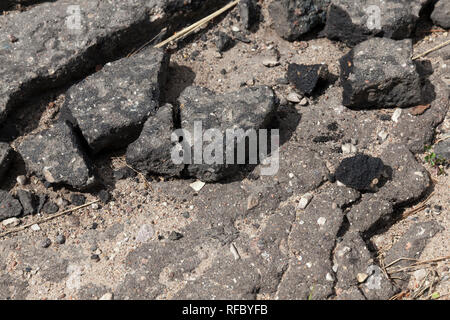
(196, 25)
(431, 50)
(398, 260)
(147, 43)
(147, 183)
(416, 264)
(422, 206)
(46, 219)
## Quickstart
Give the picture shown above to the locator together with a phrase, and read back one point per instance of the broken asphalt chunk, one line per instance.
(352, 21)
(379, 73)
(9, 207)
(306, 77)
(111, 106)
(294, 18)
(250, 108)
(55, 156)
(151, 152)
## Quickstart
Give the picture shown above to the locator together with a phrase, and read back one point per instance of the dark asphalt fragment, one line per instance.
(5, 158)
(379, 73)
(111, 106)
(306, 77)
(355, 21)
(29, 201)
(360, 171)
(9, 207)
(56, 156)
(294, 18)
(152, 151)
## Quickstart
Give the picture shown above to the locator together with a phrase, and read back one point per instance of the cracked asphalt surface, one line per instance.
(245, 237)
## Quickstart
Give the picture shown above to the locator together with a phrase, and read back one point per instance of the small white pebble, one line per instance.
(234, 252)
(11, 222)
(235, 29)
(396, 115)
(321, 221)
(197, 185)
(329, 277)
(304, 201)
(107, 296)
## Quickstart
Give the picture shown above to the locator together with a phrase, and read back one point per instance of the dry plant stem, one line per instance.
(196, 25)
(147, 184)
(398, 260)
(432, 50)
(146, 44)
(422, 206)
(46, 219)
(416, 264)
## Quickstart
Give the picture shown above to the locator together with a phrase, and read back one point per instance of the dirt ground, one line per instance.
(114, 232)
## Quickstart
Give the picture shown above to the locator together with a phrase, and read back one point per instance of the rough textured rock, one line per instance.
(248, 12)
(226, 280)
(351, 294)
(223, 41)
(355, 21)
(14, 4)
(299, 172)
(12, 288)
(380, 73)
(9, 207)
(306, 77)
(441, 14)
(408, 180)
(442, 149)
(151, 152)
(294, 18)
(360, 171)
(352, 258)
(28, 200)
(411, 245)
(5, 158)
(111, 106)
(55, 156)
(222, 112)
(50, 207)
(416, 132)
(78, 36)
(368, 212)
(311, 241)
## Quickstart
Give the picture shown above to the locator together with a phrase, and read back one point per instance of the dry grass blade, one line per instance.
(398, 260)
(147, 183)
(432, 50)
(198, 24)
(421, 207)
(413, 266)
(46, 219)
(147, 43)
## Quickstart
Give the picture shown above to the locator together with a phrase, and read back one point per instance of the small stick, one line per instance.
(196, 25)
(442, 139)
(431, 50)
(422, 206)
(416, 264)
(398, 260)
(147, 43)
(46, 219)
(138, 172)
